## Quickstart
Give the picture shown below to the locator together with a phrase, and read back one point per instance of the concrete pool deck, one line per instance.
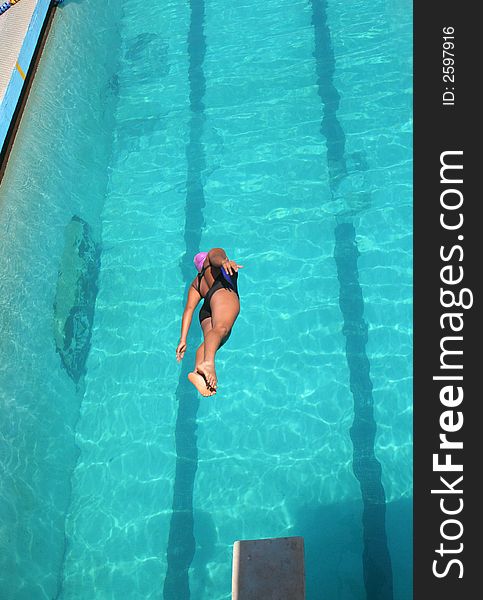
(21, 30)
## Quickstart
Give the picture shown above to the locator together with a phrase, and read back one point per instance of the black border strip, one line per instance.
(438, 128)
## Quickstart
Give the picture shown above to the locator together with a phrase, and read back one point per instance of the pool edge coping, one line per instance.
(41, 35)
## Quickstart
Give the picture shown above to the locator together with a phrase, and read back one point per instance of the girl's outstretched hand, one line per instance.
(230, 266)
(180, 350)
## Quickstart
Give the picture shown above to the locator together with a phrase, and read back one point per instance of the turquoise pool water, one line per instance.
(277, 130)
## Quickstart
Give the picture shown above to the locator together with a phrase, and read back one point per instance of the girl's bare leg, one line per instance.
(200, 355)
(195, 378)
(225, 308)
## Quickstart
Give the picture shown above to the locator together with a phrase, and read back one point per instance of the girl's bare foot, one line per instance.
(207, 369)
(200, 384)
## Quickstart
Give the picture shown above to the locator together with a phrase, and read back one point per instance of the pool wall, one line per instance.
(42, 189)
(11, 99)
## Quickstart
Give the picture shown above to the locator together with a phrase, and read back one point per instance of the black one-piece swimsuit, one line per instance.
(222, 280)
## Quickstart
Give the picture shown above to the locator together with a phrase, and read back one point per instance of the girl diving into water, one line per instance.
(216, 283)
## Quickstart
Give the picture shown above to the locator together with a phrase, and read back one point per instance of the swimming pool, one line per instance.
(280, 131)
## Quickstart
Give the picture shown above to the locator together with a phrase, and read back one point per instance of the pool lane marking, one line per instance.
(181, 541)
(20, 70)
(378, 579)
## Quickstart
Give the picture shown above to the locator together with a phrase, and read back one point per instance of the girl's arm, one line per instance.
(191, 303)
(218, 258)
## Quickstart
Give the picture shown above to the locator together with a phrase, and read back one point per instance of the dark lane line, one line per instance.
(377, 567)
(181, 541)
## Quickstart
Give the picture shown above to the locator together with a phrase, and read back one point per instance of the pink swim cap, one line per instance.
(199, 259)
